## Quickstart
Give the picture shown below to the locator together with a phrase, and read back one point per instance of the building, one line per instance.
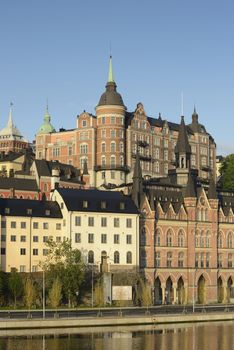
(186, 232)
(11, 139)
(103, 225)
(108, 142)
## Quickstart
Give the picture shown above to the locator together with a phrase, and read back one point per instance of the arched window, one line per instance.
(207, 239)
(169, 238)
(197, 239)
(129, 258)
(103, 147)
(157, 167)
(181, 259)
(229, 241)
(112, 161)
(157, 238)
(113, 147)
(180, 239)
(103, 161)
(90, 257)
(229, 260)
(202, 240)
(157, 153)
(116, 257)
(219, 240)
(121, 147)
(169, 259)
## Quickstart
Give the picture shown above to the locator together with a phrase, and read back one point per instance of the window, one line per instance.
(103, 134)
(45, 239)
(13, 238)
(220, 262)
(7, 210)
(70, 150)
(220, 242)
(23, 224)
(58, 239)
(157, 262)
(116, 222)
(180, 239)
(116, 257)
(90, 257)
(207, 239)
(169, 239)
(121, 147)
(103, 120)
(207, 260)
(129, 258)
(103, 222)
(129, 223)
(229, 260)
(56, 152)
(35, 239)
(113, 134)
(230, 240)
(196, 259)
(35, 251)
(112, 161)
(22, 268)
(3, 251)
(169, 259)
(103, 147)
(3, 224)
(103, 238)
(22, 238)
(103, 160)
(34, 268)
(165, 155)
(13, 224)
(22, 251)
(45, 225)
(47, 212)
(129, 239)
(35, 225)
(91, 238)
(181, 259)
(103, 204)
(84, 123)
(45, 252)
(3, 238)
(77, 221)
(122, 206)
(91, 221)
(84, 148)
(85, 204)
(78, 237)
(112, 175)
(116, 239)
(113, 147)
(157, 238)
(58, 226)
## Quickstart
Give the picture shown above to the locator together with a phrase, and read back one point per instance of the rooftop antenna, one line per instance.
(182, 103)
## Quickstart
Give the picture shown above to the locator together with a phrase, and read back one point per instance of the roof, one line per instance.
(67, 171)
(10, 157)
(74, 200)
(10, 131)
(182, 145)
(20, 207)
(46, 127)
(18, 184)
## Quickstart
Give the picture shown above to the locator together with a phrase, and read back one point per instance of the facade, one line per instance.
(109, 140)
(11, 139)
(186, 233)
(103, 225)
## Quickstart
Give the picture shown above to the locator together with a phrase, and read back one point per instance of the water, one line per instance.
(214, 336)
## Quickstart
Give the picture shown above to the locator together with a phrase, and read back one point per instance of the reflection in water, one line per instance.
(215, 336)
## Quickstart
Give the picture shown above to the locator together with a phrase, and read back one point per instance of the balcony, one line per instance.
(143, 157)
(119, 167)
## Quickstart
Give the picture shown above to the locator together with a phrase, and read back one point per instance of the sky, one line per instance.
(59, 50)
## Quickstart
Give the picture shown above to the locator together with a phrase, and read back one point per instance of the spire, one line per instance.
(10, 120)
(182, 145)
(110, 75)
(212, 194)
(46, 127)
(137, 186)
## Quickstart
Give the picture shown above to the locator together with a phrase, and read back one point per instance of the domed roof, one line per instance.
(46, 127)
(10, 131)
(111, 96)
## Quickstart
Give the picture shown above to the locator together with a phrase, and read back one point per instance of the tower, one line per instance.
(110, 157)
(43, 135)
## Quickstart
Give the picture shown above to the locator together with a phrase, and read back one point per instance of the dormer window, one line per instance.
(29, 211)
(47, 212)
(103, 204)
(7, 210)
(122, 205)
(85, 204)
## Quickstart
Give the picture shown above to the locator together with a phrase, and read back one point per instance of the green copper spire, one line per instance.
(46, 127)
(110, 75)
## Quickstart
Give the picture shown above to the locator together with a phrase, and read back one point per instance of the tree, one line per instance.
(3, 288)
(15, 285)
(65, 263)
(55, 293)
(29, 293)
(227, 173)
(144, 293)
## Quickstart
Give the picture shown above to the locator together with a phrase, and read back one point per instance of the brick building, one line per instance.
(108, 142)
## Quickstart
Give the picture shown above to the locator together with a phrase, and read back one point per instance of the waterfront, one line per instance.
(215, 336)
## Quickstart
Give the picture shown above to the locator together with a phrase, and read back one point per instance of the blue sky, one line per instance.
(59, 49)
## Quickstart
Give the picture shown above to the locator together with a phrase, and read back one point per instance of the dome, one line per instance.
(46, 127)
(111, 96)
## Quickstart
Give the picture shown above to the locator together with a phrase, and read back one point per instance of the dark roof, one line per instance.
(190, 191)
(67, 171)
(20, 207)
(75, 198)
(111, 96)
(212, 193)
(9, 157)
(18, 184)
(182, 145)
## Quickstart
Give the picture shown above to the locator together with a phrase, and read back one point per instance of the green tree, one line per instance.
(29, 293)
(55, 293)
(227, 173)
(15, 285)
(3, 288)
(144, 293)
(65, 263)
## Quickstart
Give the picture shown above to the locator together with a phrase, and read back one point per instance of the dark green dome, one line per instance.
(111, 96)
